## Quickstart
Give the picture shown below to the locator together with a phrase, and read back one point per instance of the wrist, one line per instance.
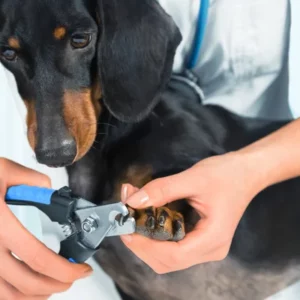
(252, 170)
(275, 158)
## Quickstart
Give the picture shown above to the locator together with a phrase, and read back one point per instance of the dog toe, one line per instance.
(160, 224)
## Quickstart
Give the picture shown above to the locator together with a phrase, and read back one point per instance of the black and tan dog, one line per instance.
(96, 79)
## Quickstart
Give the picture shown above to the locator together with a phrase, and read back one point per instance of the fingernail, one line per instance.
(138, 199)
(127, 238)
(124, 193)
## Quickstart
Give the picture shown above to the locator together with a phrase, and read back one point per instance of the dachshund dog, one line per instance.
(96, 78)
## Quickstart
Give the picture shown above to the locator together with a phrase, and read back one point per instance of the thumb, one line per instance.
(162, 191)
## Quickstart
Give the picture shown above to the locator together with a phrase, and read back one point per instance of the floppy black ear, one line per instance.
(135, 55)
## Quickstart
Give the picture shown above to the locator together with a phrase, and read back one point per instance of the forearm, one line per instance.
(274, 158)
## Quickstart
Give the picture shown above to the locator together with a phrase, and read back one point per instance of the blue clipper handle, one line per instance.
(57, 205)
(24, 193)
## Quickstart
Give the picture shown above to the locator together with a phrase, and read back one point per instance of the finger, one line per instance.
(216, 255)
(6, 290)
(21, 297)
(14, 174)
(167, 257)
(162, 191)
(127, 191)
(199, 246)
(163, 257)
(27, 281)
(137, 244)
(35, 254)
(37, 298)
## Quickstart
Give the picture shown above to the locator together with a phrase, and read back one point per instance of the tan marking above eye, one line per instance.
(60, 32)
(14, 43)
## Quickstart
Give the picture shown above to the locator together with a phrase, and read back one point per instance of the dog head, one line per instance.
(69, 58)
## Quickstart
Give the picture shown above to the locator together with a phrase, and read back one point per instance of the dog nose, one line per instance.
(57, 154)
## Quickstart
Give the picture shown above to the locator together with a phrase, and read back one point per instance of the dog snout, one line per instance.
(57, 153)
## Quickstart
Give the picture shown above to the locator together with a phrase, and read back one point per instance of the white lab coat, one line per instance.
(243, 66)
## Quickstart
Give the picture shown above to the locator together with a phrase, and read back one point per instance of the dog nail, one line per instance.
(161, 221)
(151, 222)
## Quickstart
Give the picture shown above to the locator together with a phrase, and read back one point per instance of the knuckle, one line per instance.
(160, 188)
(174, 259)
(53, 288)
(159, 271)
(2, 165)
(24, 297)
(70, 277)
(7, 294)
(65, 287)
(2, 160)
(32, 288)
(15, 296)
(26, 290)
(39, 287)
(36, 266)
(177, 256)
(36, 262)
(166, 188)
(222, 255)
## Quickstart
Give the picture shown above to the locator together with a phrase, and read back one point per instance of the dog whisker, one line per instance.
(107, 124)
(93, 147)
(101, 133)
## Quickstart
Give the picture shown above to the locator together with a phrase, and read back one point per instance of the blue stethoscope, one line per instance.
(199, 36)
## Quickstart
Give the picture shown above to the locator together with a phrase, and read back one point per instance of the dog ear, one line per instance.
(136, 49)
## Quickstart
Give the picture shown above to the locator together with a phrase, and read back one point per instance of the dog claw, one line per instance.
(161, 221)
(160, 224)
(162, 218)
(177, 225)
(150, 222)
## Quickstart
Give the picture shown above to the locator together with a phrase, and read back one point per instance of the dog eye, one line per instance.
(80, 40)
(9, 54)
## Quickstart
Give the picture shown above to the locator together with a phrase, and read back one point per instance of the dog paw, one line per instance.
(159, 223)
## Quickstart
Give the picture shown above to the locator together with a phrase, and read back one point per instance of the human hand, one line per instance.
(219, 188)
(41, 272)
